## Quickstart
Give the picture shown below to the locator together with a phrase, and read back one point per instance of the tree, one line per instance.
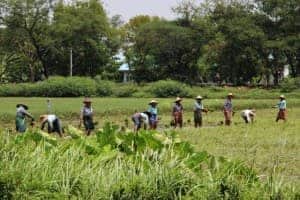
(166, 50)
(84, 28)
(26, 30)
(237, 48)
(280, 21)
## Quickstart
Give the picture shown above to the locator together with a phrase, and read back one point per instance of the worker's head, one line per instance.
(153, 103)
(87, 102)
(282, 97)
(22, 105)
(199, 98)
(230, 96)
(178, 100)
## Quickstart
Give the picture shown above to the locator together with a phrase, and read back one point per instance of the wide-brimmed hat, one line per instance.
(178, 99)
(23, 105)
(153, 102)
(87, 100)
(230, 94)
(282, 96)
(199, 97)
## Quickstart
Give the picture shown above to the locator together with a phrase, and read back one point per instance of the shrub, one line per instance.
(125, 90)
(290, 84)
(104, 88)
(68, 87)
(170, 88)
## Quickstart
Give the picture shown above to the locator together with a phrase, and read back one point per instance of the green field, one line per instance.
(270, 149)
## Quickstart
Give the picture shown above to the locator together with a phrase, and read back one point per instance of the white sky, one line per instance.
(131, 8)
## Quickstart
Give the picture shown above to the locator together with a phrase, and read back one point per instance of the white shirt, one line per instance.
(247, 113)
(145, 118)
(51, 119)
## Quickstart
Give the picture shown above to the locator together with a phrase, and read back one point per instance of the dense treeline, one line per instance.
(238, 42)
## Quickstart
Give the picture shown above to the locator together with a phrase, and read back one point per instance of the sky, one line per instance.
(131, 8)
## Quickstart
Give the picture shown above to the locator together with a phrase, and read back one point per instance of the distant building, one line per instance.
(124, 69)
(124, 66)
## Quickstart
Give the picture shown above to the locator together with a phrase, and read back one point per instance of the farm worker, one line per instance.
(282, 109)
(177, 112)
(228, 109)
(54, 124)
(139, 119)
(22, 113)
(153, 114)
(248, 115)
(86, 116)
(198, 109)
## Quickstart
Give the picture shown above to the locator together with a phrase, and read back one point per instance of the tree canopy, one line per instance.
(236, 41)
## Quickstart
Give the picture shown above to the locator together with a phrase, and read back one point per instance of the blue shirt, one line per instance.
(228, 105)
(153, 110)
(282, 105)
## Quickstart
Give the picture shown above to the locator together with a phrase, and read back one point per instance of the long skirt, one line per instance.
(228, 117)
(88, 123)
(20, 124)
(282, 114)
(178, 119)
(198, 118)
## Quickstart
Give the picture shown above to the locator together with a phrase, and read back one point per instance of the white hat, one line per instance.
(178, 99)
(199, 97)
(153, 102)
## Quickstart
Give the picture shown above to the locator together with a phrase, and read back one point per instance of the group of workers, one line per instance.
(147, 119)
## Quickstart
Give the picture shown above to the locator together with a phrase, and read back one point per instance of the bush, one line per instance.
(68, 87)
(125, 90)
(53, 87)
(104, 88)
(290, 84)
(170, 88)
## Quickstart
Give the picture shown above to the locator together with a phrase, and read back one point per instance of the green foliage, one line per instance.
(170, 89)
(125, 90)
(104, 88)
(148, 165)
(290, 84)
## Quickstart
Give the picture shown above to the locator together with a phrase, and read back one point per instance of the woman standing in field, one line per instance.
(228, 109)
(198, 109)
(153, 114)
(21, 115)
(282, 109)
(177, 112)
(86, 116)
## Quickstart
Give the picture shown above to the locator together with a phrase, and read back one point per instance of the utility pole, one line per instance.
(71, 62)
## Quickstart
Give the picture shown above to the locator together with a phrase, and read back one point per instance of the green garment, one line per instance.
(20, 124)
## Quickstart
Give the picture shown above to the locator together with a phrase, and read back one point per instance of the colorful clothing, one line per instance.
(198, 107)
(140, 118)
(153, 117)
(282, 113)
(282, 105)
(177, 113)
(20, 119)
(228, 111)
(87, 116)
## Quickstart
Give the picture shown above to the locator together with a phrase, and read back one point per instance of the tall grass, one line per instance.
(126, 166)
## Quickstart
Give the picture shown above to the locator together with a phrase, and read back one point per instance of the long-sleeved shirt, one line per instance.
(21, 112)
(282, 105)
(153, 110)
(177, 108)
(198, 106)
(228, 105)
(87, 112)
